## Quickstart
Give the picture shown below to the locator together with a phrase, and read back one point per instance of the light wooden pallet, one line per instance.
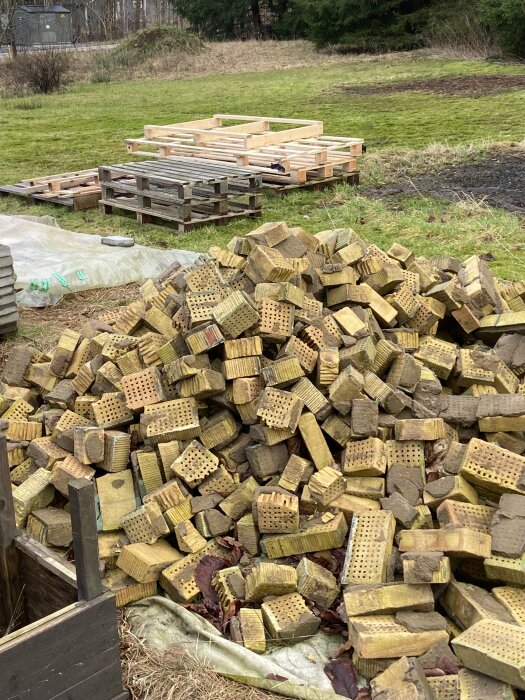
(288, 156)
(184, 191)
(79, 189)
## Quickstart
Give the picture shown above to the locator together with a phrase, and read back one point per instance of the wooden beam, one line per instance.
(85, 538)
(11, 606)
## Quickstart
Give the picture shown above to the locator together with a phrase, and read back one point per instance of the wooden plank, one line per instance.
(44, 592)
(85, 538)
(62, 656)
(10, 582)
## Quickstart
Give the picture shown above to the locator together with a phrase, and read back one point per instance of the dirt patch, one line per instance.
(464, 86)
(41, 328)
(498, 181)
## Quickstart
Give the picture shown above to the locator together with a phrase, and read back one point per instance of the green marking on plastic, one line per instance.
(63, 281)
(81, 275)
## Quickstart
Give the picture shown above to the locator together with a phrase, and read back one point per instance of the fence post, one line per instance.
(85, 538)
(11, 602)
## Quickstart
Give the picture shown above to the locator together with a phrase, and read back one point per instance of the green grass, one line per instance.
(85, 127)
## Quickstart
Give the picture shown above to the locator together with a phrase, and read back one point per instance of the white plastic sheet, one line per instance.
(166, 624)
(50, 262)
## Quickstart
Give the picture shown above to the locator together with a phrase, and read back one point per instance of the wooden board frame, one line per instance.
(62, 641)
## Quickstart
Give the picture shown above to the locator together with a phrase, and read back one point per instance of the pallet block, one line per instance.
(369, 547)
(346, 387)
(145, 562)
(268, 579)
(288, 618)
(247, 534)
(387, 598)
(296, 472)
(494, 648)
(380, 636)
(314, 536)
(185, 367)
(492, 467)
(460, 542)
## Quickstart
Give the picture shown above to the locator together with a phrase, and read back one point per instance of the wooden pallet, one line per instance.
(287, 156)
(80, 189)
(183, 191)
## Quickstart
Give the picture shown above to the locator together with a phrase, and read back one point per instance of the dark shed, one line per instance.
(42, 25)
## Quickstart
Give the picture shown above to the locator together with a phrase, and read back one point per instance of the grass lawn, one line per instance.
(85, 126)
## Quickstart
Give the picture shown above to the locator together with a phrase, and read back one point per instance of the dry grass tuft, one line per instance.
(175, 675)
(383, 167)
(222, 57)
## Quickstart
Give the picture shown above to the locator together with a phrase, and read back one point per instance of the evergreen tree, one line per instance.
(366, 24)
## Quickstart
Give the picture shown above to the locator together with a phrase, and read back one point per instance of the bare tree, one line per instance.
(7, 24)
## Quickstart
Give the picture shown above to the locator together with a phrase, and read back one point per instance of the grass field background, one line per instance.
(85, 126)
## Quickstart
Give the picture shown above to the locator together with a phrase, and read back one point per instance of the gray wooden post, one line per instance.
(12, 611)
(85, 538)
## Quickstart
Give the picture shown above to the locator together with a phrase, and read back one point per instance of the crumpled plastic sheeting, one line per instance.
(48, 256)
(166, 624)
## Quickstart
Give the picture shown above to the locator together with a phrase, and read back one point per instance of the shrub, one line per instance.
(154, 41)
(40, 71)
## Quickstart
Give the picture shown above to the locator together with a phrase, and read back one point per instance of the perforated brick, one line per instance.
(369, 547)
(142, 388)
(195, 464)
(171, 420)
(277, 512)
(279, 409)
(498, 470)
(365, 458)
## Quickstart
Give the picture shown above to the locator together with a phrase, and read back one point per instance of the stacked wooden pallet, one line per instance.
(290, 152)
(8, 308)
(79, 189)
(183, 190)
(316, 433)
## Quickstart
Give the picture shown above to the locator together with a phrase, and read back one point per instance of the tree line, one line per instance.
(359, 25)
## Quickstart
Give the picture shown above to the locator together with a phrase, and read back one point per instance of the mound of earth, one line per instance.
(498, 181)
(463, 86)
